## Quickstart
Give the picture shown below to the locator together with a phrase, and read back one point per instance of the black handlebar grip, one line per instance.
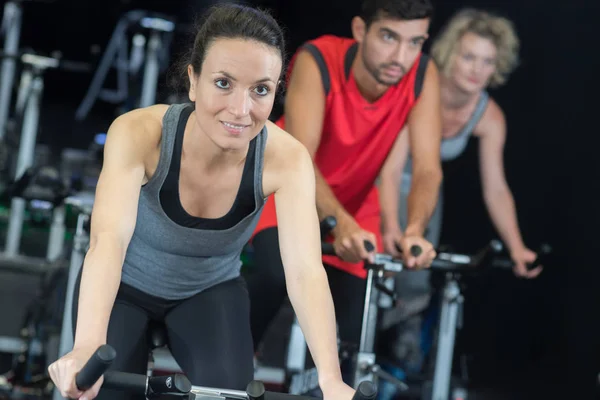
(366, 391)
(255, 390)
(369, 246)
(327, 225)
(327, 249)
(95, 367)
(170, 384)
(416, 250)
(544, 250)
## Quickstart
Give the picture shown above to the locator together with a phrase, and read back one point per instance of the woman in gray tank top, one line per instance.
(179, 195)
(474, 50)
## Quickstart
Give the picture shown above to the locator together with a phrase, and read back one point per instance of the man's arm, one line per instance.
(389, 188)
(425, 133)
(304, 115)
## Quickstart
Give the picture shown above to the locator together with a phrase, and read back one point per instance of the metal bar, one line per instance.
(12, 18)
(24, 161)
(213, 392)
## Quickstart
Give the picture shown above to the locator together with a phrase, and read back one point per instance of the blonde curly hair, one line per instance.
(499, 30)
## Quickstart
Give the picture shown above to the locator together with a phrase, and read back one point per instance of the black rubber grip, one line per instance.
(327, 225)
(415, 250)
(95, 367)
(125, 382)
(502, 263)
(255, 390)
(369, 246)
(169, 385)
(327, 249)
(542, 253)
(366, 391)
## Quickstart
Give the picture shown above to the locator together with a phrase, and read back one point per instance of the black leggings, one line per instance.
(208, 334)
(266, 284)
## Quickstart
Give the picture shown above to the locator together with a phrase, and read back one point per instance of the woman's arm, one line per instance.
(306, 280)
(112, 224)
(496, 192)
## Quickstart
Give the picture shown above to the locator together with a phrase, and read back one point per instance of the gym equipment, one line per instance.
(453, 265)
(11, 28)
(38, 337)
(28, 109)
(154, 29)
(178, 385)
(364, 360)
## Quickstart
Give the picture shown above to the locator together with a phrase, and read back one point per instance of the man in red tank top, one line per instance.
(348, 101)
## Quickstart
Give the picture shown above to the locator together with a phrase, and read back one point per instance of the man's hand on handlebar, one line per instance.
(414, 258)
(63, 372)
(349, 241)
(522, 257)
(391, 242)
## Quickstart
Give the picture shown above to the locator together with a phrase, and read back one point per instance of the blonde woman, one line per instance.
(474, 51)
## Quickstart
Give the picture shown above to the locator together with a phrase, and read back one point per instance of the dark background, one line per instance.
(540, 337)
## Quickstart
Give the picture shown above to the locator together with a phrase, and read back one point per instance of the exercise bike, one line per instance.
(178, 385)
(453, 266)
(363, 360)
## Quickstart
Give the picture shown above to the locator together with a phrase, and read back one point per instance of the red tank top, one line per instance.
(357, 136)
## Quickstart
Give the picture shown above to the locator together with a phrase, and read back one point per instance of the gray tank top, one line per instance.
(173, 262)
(453, 147)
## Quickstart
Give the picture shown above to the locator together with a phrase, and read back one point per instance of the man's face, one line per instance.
(391, 46)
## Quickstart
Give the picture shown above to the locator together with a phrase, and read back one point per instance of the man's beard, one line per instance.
(377, 71)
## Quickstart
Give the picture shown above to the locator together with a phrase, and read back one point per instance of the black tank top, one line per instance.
(170, 201)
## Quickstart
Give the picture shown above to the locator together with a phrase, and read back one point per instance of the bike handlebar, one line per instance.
(52, 61)
(444, 260)
(178, 384)
(95, 367)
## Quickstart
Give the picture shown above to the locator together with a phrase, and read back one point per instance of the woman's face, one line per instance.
(235, 91)
(474, 63)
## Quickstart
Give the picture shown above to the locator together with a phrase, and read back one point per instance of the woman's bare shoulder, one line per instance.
(142, 126)
(285, 157)
(282, 149)
(492, 121)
